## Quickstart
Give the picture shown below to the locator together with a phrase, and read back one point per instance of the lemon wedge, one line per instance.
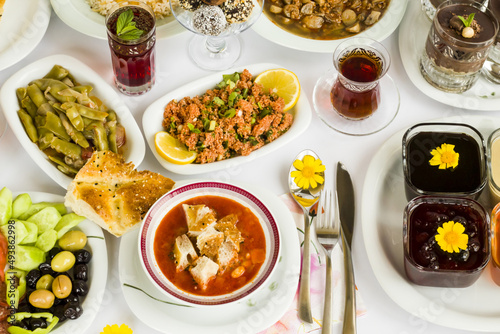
(282, 82)
(172, 150)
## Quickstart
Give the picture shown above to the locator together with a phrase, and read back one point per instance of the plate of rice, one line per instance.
(88, 16)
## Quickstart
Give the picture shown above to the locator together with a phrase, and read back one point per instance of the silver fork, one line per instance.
(327, 232)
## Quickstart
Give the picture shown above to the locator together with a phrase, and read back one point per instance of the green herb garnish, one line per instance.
(192, 128)
(467, 22)
(218, 101)
(230, 113)
(229, 80)
(125, 27)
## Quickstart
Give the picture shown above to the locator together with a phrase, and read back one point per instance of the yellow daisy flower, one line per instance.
(444, 156)
(451, 237)
(307, 173)
(114, 329)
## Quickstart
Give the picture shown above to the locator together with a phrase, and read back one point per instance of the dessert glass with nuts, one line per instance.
(457, 45)
(216, 24)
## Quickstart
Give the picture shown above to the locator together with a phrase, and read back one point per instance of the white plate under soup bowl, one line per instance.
(179, 195)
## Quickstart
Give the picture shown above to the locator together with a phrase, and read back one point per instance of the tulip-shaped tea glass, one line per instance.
(357, 97)
(216, 24)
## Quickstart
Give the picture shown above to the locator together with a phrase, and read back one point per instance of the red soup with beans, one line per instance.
(250, 257)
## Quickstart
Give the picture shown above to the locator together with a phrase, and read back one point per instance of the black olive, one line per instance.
(37, 310)
(57, 301)
(80, 288)
(23, 306)
(72, 298)
(45, 268)
(23, 324)
(32, 278)
(37, 323)
(53, 252)
(72, 311)
(83, 256)
(63, 273)
(59, 312)
(80, 271)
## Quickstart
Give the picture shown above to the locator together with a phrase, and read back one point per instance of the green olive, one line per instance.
(63, 261)
(45, 282)
(42, 298)
(61, 287)
(73, 241)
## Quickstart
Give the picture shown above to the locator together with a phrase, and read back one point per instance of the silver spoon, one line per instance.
(306, 198)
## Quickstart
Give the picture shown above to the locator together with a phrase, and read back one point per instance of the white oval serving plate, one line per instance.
(153, 117)
(134, 148)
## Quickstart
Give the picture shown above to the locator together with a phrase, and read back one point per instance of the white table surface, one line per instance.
(174, 68)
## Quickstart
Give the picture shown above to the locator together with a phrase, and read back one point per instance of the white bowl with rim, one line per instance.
(184, 193)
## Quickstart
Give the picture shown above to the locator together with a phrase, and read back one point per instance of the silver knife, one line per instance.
(345, 193)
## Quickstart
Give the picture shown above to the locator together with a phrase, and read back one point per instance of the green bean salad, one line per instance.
(66, 121)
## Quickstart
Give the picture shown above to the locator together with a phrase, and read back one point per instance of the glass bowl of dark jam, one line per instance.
(446, 241)
(444, 159)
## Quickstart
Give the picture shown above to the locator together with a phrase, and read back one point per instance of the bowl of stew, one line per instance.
(209, 243)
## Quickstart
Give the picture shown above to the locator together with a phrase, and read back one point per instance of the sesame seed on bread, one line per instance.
(113, 194)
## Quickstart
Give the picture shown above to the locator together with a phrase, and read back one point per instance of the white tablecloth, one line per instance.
(174, 68)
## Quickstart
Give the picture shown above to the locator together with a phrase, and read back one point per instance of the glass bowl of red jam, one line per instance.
(444, 159)
(433, 256)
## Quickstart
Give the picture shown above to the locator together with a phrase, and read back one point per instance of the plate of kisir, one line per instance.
(245, 123)
(53, 291)
(89, 20)
(292, 38)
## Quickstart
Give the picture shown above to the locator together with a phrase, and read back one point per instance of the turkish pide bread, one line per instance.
(113, 194)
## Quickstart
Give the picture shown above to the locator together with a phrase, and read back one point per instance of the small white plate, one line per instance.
(134, 148)
(78, 15)
(251, 316)
(380, 31)
(98, 270)
(482, 96)
(22, 27)
(474, 308)
(153, 118)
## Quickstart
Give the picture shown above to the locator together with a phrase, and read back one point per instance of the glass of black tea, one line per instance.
(356, 96)
(356, 93)
(131, 30)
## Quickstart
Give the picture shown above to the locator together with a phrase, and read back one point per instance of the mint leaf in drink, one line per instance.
(125, 27)
(132, 34)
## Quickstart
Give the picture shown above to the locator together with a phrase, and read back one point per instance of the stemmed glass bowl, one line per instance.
(215, 45)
